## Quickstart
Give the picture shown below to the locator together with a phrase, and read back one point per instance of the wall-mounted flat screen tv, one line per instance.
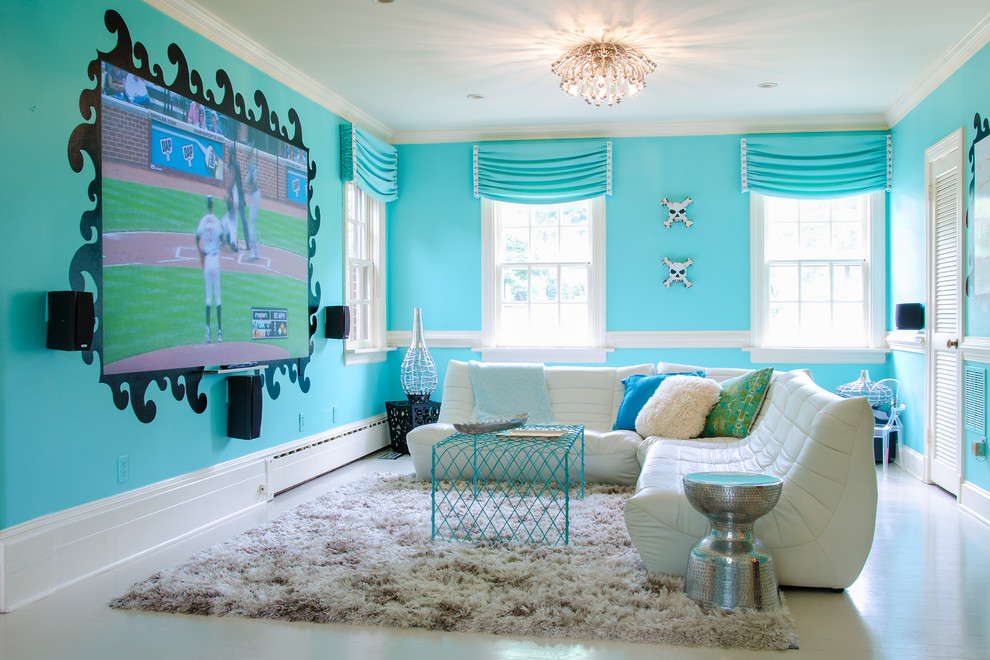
(205, 235)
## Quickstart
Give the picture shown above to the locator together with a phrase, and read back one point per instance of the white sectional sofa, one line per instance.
(821, 530)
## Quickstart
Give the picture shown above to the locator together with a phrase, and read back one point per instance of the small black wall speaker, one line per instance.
(244, 407)
(909, 316)
(71, 318)
(338, 322)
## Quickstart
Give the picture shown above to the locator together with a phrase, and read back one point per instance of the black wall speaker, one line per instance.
(70, 320)
(244, 406)
(909, 316)
(338, 322)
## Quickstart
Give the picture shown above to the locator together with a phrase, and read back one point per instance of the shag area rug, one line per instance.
(362, 554)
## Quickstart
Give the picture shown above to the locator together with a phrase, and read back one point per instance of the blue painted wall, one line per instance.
(951, 106)
(435, 247)
(60, 433)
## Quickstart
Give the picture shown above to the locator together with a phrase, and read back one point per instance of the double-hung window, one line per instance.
(817, 280)
(544, 280)
(364, 276)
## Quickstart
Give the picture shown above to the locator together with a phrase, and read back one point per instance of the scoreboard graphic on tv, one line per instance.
(269, 323)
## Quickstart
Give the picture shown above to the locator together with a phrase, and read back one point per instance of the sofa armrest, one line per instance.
(420, 442)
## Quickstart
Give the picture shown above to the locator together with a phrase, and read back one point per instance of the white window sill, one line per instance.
(759, 354)
(365, 355)
(559, 355)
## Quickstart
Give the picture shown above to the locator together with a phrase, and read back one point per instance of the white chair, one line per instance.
(888, 394)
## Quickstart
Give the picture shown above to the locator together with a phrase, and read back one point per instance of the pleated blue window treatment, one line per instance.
(816, 165)
(371, 163)
(542, 172)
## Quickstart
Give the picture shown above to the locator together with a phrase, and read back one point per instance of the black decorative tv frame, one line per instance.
(86, 139)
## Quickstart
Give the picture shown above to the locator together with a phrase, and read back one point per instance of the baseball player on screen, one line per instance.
(208, 235)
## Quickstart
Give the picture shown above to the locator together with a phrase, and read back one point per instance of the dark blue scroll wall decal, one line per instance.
(86, 139)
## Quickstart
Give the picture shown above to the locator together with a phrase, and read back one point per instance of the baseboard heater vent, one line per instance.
(298, 465)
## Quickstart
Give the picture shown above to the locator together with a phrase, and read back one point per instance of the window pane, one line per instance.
(574, 284)
(546, 246)
(576, 213)
(847, 239)
(575, 243)
(815, 238)
(575, 329)
(545, 215)
(848, 209)
(513, 215)
(784, 324)
(543, 284)
(516, 245)
(514, 325)
(815, 210)
(515, 284)
(779, 209)
(848, 282)
(782, 240)
(545, 324)
(848, 323)
(784, 283)
(815, 283)
(816, 324)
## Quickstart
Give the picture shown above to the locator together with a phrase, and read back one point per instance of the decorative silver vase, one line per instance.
(418, 372)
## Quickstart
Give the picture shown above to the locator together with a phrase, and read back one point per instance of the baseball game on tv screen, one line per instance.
(205, 235)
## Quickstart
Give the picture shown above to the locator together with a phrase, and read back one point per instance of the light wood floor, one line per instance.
(924, 593)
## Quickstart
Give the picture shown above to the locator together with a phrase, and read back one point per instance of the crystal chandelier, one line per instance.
(602, 72)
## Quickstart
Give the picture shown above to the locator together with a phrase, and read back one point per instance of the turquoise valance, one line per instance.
(543, 172)
(818, 165)
(369, 162)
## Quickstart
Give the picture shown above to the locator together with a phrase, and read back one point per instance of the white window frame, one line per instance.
(490, 351)
(876, 350)
(372, 217)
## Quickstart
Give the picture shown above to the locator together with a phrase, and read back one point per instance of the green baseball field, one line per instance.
(153, 288)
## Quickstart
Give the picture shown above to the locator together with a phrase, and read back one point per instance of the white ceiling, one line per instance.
(407, 67)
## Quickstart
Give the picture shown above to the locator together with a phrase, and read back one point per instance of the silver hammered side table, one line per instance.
(730, 567)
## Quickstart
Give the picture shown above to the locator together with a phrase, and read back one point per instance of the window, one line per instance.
(364, 281)
(817, 275)
(544, 279)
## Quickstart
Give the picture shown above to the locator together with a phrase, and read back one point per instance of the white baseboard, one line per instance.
(911, 461)
(975, 500)
(44, 555)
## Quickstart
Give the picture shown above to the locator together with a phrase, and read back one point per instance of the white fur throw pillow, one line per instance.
(678, 408)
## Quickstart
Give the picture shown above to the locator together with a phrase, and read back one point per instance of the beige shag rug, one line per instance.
(362, 554)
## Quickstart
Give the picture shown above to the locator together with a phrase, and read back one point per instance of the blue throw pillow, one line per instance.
(639, 389)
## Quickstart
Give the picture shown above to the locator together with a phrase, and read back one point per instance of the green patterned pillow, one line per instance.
(738, 405)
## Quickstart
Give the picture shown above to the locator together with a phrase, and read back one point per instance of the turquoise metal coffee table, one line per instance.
(500, 487)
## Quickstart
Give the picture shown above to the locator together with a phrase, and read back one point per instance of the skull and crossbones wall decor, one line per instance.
(677, 212)
(678, 272)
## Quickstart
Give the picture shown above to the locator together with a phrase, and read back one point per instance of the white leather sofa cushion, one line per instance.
(821, 530)
(578, 395)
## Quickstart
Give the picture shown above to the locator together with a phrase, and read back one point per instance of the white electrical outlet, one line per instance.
(302, 422)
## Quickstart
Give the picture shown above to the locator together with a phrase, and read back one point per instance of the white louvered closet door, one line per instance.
(946, 178)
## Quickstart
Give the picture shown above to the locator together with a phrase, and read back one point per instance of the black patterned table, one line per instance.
(404, 416)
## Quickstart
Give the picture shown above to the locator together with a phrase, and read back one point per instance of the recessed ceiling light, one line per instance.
(766, 85)
(384, 2)
(476, 97)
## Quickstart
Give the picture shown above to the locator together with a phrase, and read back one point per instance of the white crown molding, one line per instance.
(648, 129)
(215, 29)
(940, 70)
